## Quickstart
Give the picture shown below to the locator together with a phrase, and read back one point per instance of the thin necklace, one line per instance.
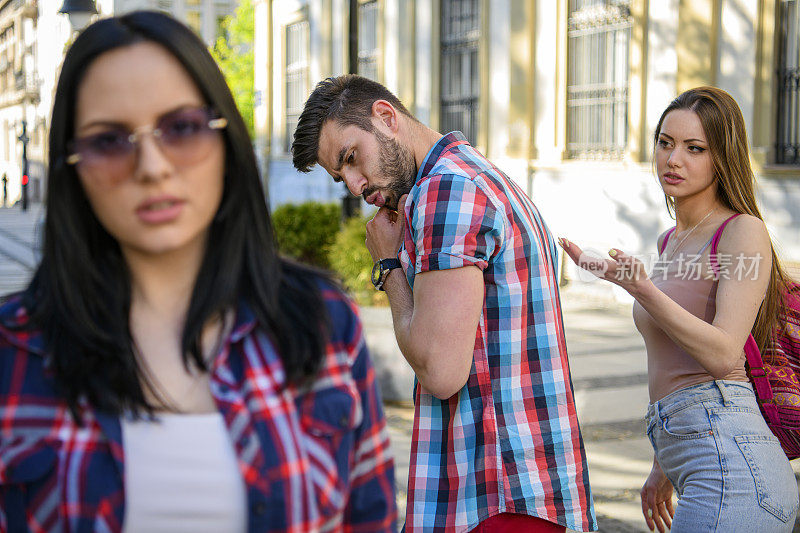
(671, 255)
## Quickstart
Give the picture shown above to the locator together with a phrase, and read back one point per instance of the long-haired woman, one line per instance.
(165, 370)
(695, 313)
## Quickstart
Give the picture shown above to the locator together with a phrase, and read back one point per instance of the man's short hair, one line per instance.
(346, 99)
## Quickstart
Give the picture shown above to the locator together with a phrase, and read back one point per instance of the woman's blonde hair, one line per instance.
(724, 127)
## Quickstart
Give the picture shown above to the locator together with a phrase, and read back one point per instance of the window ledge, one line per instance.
(589, 164)
(778, 171)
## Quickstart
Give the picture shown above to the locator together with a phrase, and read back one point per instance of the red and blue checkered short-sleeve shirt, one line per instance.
(509, 440)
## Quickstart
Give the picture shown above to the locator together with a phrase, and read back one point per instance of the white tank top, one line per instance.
(181, 475)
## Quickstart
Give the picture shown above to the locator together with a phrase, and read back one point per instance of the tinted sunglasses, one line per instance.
(184, 136)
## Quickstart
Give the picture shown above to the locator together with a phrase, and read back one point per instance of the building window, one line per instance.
(460, 87)
(368, 39)
(788, 140)
(296, 76)
(599, 35)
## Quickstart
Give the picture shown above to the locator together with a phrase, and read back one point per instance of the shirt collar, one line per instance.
(244, 323)
(454, 138)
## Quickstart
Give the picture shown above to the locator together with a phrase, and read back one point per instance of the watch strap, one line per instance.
(390, 263)
(381, 269)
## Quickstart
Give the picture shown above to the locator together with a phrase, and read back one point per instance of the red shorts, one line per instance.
(517, 523)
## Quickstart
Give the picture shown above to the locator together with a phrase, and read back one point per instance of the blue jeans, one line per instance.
(728, 468)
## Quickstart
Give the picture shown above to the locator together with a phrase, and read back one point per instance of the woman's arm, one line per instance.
(716, 346)
(656, 496)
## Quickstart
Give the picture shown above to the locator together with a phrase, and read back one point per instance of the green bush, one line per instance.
(348, 256)
(306, 231)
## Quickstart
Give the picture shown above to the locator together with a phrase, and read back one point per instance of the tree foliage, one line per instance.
(234, 54)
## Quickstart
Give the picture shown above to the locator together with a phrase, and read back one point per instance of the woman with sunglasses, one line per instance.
(717, 280)
(165, 370)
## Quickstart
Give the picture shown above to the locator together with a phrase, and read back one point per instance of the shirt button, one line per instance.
(260, 508)
(344, 421)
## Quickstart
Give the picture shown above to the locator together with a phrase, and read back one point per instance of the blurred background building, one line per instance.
(21, 83)
(564, 95)
(33, 38)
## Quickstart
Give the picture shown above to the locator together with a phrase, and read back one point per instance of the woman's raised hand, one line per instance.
(621, 269)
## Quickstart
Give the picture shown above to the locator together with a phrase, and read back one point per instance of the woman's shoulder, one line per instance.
(21, 349)
(340, 311)
(661, 238)
(744, 221)
(331, 292)
(15, 322)
(343, 313)
(744, 233)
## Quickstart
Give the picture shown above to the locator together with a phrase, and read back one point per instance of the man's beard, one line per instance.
(396, 164)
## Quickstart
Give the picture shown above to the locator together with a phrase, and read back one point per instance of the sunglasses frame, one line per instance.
(214, 124)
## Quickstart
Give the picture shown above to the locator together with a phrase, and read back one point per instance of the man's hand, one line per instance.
(386, 230)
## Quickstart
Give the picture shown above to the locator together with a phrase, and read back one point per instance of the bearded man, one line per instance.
(469, 268)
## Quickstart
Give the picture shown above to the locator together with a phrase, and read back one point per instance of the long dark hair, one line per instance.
(724, 127)
(80, 295)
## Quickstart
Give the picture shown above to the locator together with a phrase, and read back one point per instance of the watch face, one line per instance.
(375, 276)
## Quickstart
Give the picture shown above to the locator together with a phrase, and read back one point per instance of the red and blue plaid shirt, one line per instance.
(509, 441)
(315, 459)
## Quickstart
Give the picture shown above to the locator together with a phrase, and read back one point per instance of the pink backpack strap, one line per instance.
(666, 238)
(715, 242)
(758, 374)
(759, 378)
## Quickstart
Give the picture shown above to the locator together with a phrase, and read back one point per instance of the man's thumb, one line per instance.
(401, 211)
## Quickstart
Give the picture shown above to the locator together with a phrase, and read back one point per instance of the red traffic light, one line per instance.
(24, 179)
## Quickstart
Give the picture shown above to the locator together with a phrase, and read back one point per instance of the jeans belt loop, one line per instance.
(657, 414)
(723, 390)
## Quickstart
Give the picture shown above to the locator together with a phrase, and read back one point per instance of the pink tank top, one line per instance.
(688, 279)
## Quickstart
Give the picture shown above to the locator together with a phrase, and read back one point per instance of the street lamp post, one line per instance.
(351, 205)
(23, 138)
(80, 12)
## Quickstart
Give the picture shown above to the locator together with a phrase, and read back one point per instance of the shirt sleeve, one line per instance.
(454, 223)
(371, 506)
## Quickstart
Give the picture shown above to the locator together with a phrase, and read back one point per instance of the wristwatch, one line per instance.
(381, 269)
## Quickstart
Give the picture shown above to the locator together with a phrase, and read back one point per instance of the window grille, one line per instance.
(787, 149)
(296, 76)
(368, 50)
(460, 85)
(599, 35)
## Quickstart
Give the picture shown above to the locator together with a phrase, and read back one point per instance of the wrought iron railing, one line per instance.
(25, 81)
(296, 76)
(597, 86)
(460, 76)
(368, 50)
